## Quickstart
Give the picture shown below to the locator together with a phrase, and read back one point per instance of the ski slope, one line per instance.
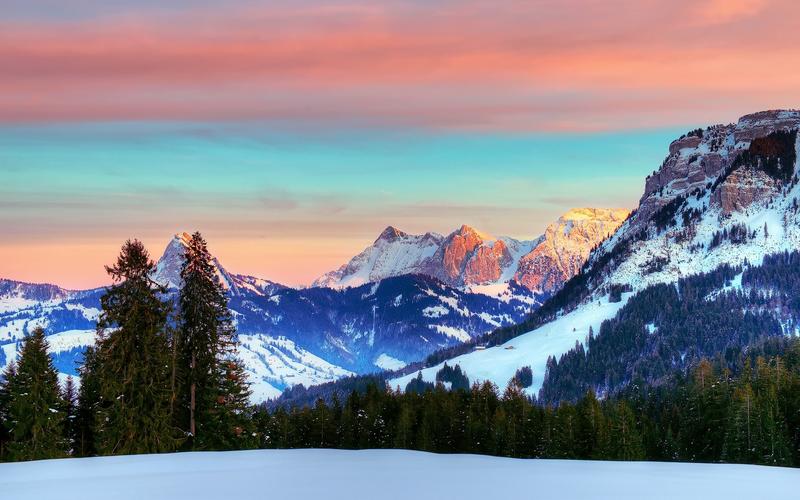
(498, 364)
(383, 475)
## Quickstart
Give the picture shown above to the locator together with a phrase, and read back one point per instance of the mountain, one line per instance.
(708, 265)
(168, 271)
(288, 336)
(470, 258)
(566, 245)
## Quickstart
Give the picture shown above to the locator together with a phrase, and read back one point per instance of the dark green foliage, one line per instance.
(132, 361)
(773, 154)
(69, 397)
(88, 405)
(665, 328)
(8, 373)
(616, 290)
(737, 235)
(749, 415)
(664, 216)
(454, 376)
(228, 424)
(418, 386)
(524, 377)
(34, 408)
(211, 388)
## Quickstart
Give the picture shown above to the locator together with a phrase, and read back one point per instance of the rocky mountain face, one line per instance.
(566, 245)
(718, 181)
(288, 336)
(470, 258)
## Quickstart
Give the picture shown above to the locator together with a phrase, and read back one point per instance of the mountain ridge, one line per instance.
(468, 257)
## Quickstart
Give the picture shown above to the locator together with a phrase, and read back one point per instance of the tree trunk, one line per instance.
(192, 400)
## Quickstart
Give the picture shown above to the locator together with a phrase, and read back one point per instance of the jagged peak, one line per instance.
(466, 230)
(391, 233)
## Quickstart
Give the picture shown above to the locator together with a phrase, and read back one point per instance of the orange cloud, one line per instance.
(517, 65)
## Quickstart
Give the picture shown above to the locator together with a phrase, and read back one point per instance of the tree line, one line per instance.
(709, 414)
(162, 375)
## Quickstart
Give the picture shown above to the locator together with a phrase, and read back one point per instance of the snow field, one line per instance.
(384, 475)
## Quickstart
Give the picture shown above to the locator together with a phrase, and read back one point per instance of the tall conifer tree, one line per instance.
(133, 362)
(35, 416)
(212, 387)
(87, 407)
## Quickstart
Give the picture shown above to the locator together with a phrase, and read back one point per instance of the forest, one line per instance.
(678, 375)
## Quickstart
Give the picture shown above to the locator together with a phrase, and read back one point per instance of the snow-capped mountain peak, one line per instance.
(391, 233)
(468, 257)
(168, 271)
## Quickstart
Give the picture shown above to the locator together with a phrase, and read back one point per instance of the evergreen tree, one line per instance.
(8, 374)
(70, 398)
(88, 404)
(133, 363)
(626, 440)
(228, 424)
(35, 409)
(204, 347)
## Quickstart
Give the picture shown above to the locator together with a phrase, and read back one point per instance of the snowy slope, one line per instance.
(498, 364)
(383, 474)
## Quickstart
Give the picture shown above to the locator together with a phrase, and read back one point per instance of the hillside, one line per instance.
(725, 198)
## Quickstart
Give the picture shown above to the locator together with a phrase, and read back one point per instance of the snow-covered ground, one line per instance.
(383, 475)
(498, 364)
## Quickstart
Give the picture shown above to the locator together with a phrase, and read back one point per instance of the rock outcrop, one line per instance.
(699, 159)
(566, 246)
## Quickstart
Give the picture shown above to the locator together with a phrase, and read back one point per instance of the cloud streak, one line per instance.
(509, 66)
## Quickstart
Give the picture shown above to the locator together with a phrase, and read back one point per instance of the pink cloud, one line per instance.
(512, 65)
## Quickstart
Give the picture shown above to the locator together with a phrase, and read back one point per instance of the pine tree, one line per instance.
(133, 362)
(70, 399)
(8, 374)
(625, 438)
(88, 405)
(35, 409)
(228, 424)
(205, 348)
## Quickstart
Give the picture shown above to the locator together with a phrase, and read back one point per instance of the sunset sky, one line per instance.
(291, 133)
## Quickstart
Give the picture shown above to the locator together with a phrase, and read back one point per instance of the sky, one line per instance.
(292, 132)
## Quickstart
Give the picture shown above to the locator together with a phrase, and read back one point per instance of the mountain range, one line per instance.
(395, 314)
(470, 258)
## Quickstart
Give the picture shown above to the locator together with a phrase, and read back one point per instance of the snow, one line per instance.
(274, 363)
(384, 474)
(452, 331)
(498, 364)
(385, 258)
(435, 311)
(386, 362)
